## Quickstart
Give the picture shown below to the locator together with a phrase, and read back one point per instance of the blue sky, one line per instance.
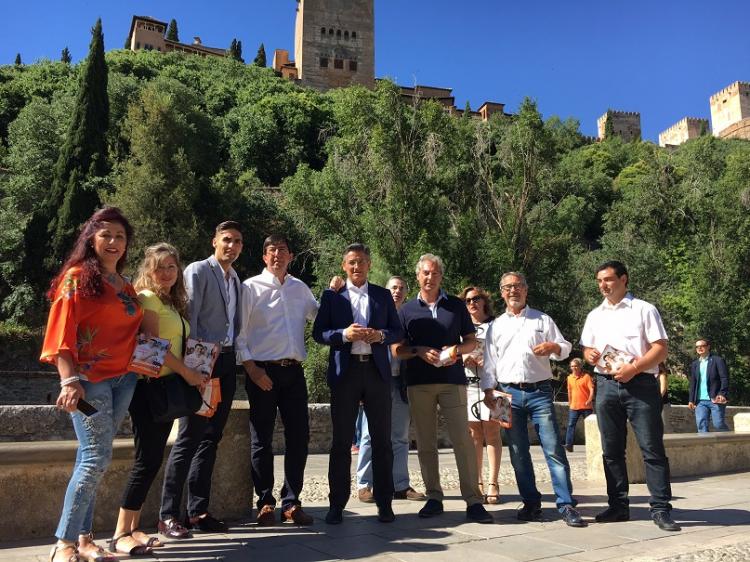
(576, 58)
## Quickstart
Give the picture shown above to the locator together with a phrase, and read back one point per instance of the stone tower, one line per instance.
(625, 124)
(334, 43)
(685, 129)
(730, 111)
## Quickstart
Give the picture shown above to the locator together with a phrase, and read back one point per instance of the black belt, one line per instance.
(279, 362)
(472, 380)
(362, 358)
(612, 377)
(525, 385)
(227, 349)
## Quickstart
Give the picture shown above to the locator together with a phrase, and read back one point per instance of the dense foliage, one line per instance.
(192, 141)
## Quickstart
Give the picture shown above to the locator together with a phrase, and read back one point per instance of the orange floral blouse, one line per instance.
(98, 332)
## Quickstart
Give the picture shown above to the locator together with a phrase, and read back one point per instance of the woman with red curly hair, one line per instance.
(90, 337)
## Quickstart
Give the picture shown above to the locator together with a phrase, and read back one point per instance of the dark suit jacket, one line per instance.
(335, 315)
(718, 378)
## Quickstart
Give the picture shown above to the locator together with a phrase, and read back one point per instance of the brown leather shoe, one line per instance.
(173, 529)
(409, 494)
(266, 517)
(365, 495)
(296, 515)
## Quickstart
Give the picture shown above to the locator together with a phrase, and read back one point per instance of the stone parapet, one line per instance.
(689, 454)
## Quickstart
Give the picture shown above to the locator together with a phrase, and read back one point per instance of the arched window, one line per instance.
(322, 30)
(354, 35)
(346, 35)
(338, 34)
(330, 32)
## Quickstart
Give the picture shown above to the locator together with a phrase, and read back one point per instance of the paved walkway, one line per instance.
(714, 512)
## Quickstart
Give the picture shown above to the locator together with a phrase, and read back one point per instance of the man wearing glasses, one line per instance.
(517, 351)
(709, 386)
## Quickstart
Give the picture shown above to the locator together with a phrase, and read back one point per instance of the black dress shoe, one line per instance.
(477, 513)
(529, 512)
(431, 509)
(613, 514)
(385, 514)
(572, 518)
(663, 520)
(208, 524)
(335, 516)
(173, 529)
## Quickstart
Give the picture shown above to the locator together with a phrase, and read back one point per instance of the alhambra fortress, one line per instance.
(334, 46)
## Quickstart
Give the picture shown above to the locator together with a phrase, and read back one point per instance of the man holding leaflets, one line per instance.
(630, 333)
(518, 348)
(271, 347)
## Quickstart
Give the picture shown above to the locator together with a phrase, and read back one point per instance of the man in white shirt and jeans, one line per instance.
(631, 393)
(271, 347)
(518, 347)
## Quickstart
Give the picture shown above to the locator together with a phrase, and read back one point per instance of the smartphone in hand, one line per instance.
(85, 408)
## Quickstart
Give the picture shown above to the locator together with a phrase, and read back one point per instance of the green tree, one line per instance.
(65, 56)
(609, 126)
(235, 50)
(81, 165)
(18, 62)
(260, 58)
(172, 33)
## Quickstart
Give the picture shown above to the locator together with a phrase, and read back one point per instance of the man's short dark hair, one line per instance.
(357, 247)
(276, 240)
(617, 266)
(707, 341)
(228, 225)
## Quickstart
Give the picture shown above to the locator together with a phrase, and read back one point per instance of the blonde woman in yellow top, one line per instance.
(161, 293)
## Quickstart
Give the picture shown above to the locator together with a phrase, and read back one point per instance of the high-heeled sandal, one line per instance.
(59, 550)
(137, 550)
(151, 542)
(481, 492)
(492, 499)
(99, 554)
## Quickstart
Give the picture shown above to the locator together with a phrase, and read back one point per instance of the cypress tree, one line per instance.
(18, 62)
(232, 50)
(239, 51)
(172, 33)
(65, 56)
(609, 126)
(260, 58)
(83, 156)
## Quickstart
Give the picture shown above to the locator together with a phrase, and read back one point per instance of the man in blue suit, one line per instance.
(214, 304)
(709, 387)
(358, 323)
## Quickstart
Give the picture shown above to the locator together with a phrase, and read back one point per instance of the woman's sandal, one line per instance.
(151, 542)
(137, 550)
(59, 553)
(481, 492)
(492, 498)
(98, 554)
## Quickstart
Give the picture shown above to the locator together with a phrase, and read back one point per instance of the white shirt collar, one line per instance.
(270, 278)
(627, 301)
(523, 313)
(352, 287)
(441, 295)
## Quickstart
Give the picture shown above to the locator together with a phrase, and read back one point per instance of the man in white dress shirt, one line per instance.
(518, 347)
(271, 347)
(631, 393)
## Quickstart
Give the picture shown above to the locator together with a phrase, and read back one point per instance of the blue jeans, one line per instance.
(573, 417)
(639, 402)
(536, 404)
(399, 442)
(95, 434)
(706, 408)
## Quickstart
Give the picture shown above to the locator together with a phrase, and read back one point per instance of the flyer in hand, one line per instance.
(612, 360)
(201, 356)
(148, 356)
(501, 411)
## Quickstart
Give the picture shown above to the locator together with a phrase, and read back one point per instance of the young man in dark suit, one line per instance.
(709, 387)
(358, 322)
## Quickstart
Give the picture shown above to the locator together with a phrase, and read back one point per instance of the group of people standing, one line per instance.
(401, 360)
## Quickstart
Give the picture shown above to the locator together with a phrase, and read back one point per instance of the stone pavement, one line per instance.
(714, 512)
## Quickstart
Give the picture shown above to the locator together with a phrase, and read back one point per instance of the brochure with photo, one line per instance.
(501, 411)
(201, 356)
(612, 360)
(148, 356)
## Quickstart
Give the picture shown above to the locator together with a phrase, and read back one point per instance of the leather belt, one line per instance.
(227, 349)
(525, 385)
(362, 358)
(472, 380)
(279, 362)
(612, 377)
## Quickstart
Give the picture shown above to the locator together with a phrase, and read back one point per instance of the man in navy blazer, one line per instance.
(358, 322)
(214, 304)
(709, 387)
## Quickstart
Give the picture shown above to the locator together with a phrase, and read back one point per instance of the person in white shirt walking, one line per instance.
(271, 347)
(518, 347)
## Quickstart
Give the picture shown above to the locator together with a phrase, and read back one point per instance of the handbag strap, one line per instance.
(184, 342)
